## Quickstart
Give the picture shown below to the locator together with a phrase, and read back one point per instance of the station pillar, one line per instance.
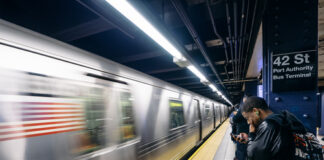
(251, 88)
(290, 59)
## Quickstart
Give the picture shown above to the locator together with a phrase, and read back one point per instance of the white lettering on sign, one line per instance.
(285, 60)
(275, 77)
(294, 69)
(278, 70)
(300, 58)
(300, 75)
(289, 70)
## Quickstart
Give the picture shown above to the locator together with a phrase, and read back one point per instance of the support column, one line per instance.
(290, 58)
(251, 88)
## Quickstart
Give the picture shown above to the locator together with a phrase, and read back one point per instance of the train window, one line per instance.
(207, 111)
(127, 127)
(93, 136)
(176, 113)
(196, 108)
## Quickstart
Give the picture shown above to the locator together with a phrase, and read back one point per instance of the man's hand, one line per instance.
(252, 128)
(243, 138)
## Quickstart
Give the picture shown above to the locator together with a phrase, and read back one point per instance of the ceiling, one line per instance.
(217, 35)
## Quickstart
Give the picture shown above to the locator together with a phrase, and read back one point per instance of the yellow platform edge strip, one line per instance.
(218, 131)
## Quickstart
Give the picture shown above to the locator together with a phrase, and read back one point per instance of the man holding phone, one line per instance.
(242, 127)
(270, 135)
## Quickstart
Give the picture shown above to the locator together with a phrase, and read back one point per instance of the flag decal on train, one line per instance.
(34, 118)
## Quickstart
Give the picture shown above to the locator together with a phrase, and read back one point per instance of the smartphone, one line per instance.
(238, 138)
(243, 141)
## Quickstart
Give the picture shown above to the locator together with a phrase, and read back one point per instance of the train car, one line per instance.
(217, 115)
(61, 102)
(207, 125)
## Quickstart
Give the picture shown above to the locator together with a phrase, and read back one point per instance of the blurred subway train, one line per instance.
(59, 102)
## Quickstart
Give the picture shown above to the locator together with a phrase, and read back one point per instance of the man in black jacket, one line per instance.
(270, 136)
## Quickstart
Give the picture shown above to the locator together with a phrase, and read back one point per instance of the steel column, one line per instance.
(290, 28)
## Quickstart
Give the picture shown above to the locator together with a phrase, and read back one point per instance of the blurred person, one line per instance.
(270, 136)
(233, 125)
(241, 127)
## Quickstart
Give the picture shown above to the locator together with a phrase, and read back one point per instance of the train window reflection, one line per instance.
(176, 113)
(93, 137)
(207, 111)
(195, 104)
(127, 127)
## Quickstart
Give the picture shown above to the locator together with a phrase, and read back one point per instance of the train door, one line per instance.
(225, 116)
(222, 112)
(214, 114)
(198, 121)
(218, 114)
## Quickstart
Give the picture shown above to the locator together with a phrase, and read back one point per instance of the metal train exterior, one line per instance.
(60, 102)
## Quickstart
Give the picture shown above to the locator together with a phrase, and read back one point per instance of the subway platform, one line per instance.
(218, 146)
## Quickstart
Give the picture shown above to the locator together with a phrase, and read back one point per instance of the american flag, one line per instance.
(41, 118)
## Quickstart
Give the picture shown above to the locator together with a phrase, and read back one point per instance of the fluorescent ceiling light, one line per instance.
(195, 71)
(212, 87)
(139, 20)
(126, 9)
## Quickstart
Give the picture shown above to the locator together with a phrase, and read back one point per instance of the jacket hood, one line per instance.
(287, 120)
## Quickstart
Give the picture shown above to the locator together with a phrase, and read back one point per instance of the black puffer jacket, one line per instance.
(273, 138)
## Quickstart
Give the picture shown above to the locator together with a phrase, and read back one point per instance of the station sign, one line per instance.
(294, 71)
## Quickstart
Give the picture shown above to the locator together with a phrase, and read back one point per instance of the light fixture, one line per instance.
(126, 9)
(213, 87)
(195, 71)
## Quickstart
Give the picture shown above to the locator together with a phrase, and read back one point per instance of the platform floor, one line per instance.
(218, 146)
(227, 151)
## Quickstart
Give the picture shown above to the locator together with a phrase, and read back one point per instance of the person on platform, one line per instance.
(233, 125)
(241, 127)
(270, 136)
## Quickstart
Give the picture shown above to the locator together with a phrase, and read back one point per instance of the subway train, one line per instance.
(59, 102)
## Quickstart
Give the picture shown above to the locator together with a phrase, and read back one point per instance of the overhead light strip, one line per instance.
(202, 78)
(126, 9)
(212, 87)
(196, 72)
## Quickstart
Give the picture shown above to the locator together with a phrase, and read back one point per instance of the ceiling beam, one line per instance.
(164, 70)
(100, 9)
(189, 84)
(215, 63)
(239, 81)
(181, 78)
(223, 73)
(186, 77)
(142, 56)
(83, 30)
(197, 87)
(205, 90)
